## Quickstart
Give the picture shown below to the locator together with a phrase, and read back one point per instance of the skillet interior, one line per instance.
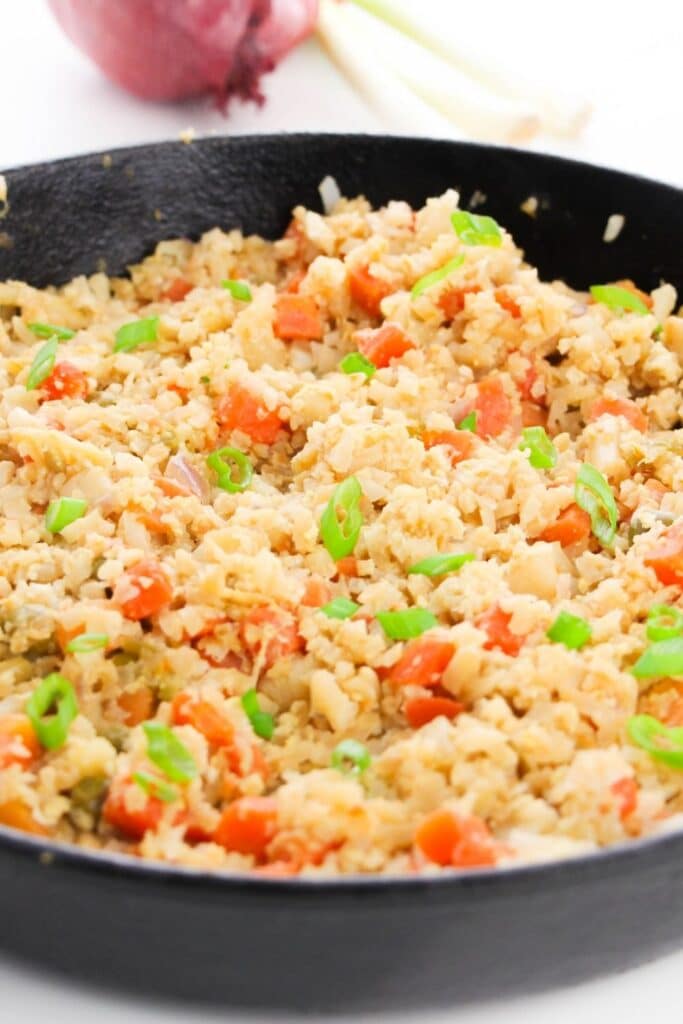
(349, 944)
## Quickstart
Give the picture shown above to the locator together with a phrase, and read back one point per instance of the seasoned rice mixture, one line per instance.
(344, 553)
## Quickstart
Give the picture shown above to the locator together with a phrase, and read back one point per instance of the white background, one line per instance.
(625, 56)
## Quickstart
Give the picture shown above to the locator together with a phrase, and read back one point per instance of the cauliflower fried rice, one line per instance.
(230, 636)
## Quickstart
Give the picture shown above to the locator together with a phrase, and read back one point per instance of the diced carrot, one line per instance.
(297, 318)
(137, 705)
(171, 488)
(65, 381)
(496, 624)
(666, 558)
(203, 717)
(494, 408)
(527, 386)
(423, 662)
(421, 710)
(244, 758)
(626, 792)
(271, 631)
(241, 410)
(317, 593)
(608, 406)
(383, 344)
(18, 741)
(533, 415)
(179, 390)
(451, 301)
(15, 814)
(452, 840)
(367, 291)
(506, 302)
(135, 822)
(571, 526)
(460, 443)
(631, 287)
(154, 524)
(64, 635)
(247, 826)
(176, 290)
(146, 589)
(347, 566)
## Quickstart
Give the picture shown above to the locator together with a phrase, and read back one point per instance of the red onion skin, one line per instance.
(177, 49)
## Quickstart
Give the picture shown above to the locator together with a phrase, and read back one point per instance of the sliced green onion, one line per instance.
(156, 787)
(51, 331)
(440, 565)
(220, 462)
(63, 512)
(341, 522)
(355, 362)
(542, 451)
(406, 624)
(351, 757)
(664, 622)
(620, 300)
(570, 630)
(469, 422)
(435, 276)
(262, 722)
(238, 289)
(53, 692)
(476, 228)
(664, 658)
(166, 751)
(87, 642)
(340, 608)
(204, 380)
(661, 742)
(42, 365)
(136, 333)
(594, 495)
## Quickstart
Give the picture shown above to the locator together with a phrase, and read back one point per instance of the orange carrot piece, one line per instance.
(241, 410)
(15, 814)
(203, 717)
(421, 710)
(367, 291)
(626, 792)
(297, 318)
(347, 566)
(171, 488)
(133, 823)
(247, 826)
(452, 840)
(666, 558)
(317, 593)
(65, 381)
(506, 302)
(383, 344)
(608, 406)
(272, 630)
(176, 290)
(460, 443)
(451, 301)
(137, 705)
(533, 415)
(571, 526)
(496, 624)
(18, 741)
(423, 662)
(493, 407)
(152, 590)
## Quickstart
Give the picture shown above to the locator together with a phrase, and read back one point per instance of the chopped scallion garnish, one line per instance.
(406, 624)
(476, 228)
(156, 787)
(664, 622)
(233, 469)
(469, 422)
(63, 512)
(42, 365)
(238, 289)
(619, 300)
(542, 451)
(435, 276)
(136, 333)
(340, 608)
(52, 726)
(84, 643)
(440, 565)
(663, 658)
(351, 757)
(166, 751)
(262, 722)
(594, 495)
(355, 362)
(661, 742)
(51, 331)
(570, 630)
(341, 522)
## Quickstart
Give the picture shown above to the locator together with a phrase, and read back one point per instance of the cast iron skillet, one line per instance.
(355, 943)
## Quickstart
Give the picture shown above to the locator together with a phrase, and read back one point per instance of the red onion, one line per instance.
(175, 49)
(180, 470)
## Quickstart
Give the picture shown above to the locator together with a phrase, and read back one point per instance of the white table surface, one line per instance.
(54, 103)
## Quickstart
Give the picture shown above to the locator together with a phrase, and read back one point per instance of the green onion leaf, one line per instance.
(355, 362)
(84, 643)
(341, 522)
(542, 451)
(204, 380)
(663, 658)
(476, 228)
(619, 300)
(440, 565)
(54, 692)
(594, 495)
(407, 624)
(661, 742)
(435, 276)
(262, 722)
(63, 512)
(469, 422)
(156, 787)
(166, 751)
(340, 608)
(235, 477)
(238, 289)
(570, 630)
(42, 365)
(51, 331)
(351, 757)
(136, 333)
(664, 622)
